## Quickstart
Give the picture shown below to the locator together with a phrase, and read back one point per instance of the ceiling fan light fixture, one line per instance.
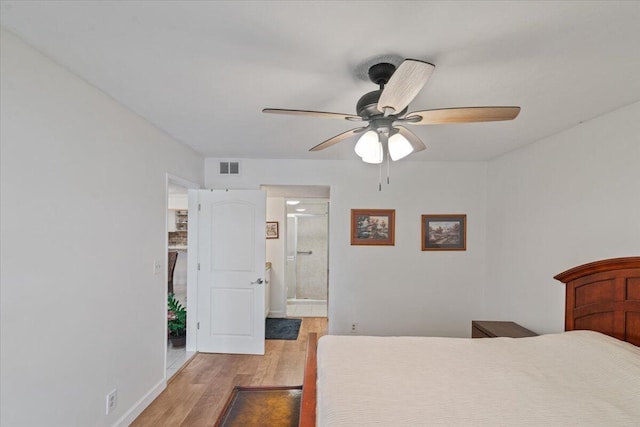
(399, 147)
(366, 143)
(369, 147)
(375, 157)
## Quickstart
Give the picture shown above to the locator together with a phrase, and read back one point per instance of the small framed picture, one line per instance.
(444, 232)
(373, 226)
(272, 230)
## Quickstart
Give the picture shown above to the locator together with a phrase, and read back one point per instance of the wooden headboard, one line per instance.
(604, 296)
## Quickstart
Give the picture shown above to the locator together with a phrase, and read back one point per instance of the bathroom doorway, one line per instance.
(307, 256)
(299, 281)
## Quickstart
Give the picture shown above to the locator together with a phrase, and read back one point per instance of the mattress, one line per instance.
(577, 378)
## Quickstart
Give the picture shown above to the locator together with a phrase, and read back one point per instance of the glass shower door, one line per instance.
(311, 257)
(291, 247)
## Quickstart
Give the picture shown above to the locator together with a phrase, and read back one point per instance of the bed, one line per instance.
(588, 375)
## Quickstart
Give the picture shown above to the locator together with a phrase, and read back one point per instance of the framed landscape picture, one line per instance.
(444, 232)
(272, 229)
(373, 226)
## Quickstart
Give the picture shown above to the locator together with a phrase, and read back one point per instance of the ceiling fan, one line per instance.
(386, 111)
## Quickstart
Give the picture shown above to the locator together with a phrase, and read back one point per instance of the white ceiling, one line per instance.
(203, 70)
(309, 207)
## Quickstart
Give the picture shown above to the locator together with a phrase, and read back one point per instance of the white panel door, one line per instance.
(231, 257)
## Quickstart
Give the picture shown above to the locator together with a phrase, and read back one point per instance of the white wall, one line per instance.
(566, 200)
(390, 290)
(178, 201)
(83, 208)
(275, 253)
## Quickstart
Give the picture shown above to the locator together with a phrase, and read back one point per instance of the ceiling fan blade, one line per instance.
(332, 141)
(323, 114)
(404, 85)
(413, 139)
(461, 115)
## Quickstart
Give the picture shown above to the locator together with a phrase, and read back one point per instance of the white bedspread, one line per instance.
(577, 378)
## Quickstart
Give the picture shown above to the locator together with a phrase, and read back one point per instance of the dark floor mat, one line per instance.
(282, 329)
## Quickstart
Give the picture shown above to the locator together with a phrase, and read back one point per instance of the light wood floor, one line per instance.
(196, 395)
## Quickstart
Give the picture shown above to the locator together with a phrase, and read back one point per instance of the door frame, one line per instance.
(191, 302)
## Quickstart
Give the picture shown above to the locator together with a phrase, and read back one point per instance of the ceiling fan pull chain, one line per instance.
(380, 177)
(388, 167)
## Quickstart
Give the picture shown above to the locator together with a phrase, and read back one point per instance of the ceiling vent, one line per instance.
(229, 168)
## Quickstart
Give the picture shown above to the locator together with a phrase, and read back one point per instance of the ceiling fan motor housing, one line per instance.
(367, 105)
(381, 73)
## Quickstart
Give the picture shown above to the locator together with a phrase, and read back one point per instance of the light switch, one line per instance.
(157, 267)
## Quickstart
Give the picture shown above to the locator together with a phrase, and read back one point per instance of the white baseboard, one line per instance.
(306, 301)
(278, 313)
(141, 404)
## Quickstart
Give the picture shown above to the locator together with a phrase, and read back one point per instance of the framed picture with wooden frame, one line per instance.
(373, 227)
(444, 232)
(272, 230)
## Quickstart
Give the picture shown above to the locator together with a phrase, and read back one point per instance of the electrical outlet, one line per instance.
(354, 328)
(112, 400)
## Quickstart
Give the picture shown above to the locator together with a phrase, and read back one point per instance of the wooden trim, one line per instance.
(309, 386)
(596, 267)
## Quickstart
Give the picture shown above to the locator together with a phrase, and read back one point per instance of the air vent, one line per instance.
(229, 168)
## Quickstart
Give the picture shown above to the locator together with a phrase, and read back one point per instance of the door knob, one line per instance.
(258, 282)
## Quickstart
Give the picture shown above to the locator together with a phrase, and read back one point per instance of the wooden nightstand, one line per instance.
(493, 329)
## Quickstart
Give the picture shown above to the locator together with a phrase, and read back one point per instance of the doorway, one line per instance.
(307, 257)
(299, 282)
(176, 261)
